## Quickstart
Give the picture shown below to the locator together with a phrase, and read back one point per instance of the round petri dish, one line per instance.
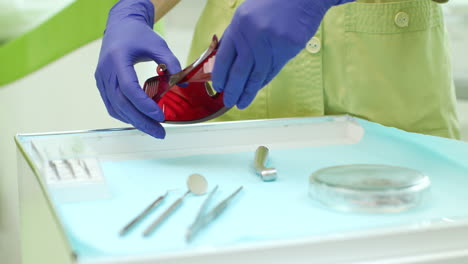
(369, 188)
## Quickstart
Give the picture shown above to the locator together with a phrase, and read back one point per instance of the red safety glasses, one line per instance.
(196, 102)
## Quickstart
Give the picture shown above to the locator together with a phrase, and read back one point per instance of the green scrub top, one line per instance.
(384, 61)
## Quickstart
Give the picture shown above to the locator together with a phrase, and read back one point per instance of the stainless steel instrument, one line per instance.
(196, 184)
(203, 219)
(142, 215)
(261, 156)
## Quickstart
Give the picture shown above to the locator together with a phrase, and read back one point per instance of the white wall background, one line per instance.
(456, 18)
(19, 16)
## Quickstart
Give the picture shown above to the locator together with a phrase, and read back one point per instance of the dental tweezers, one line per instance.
(202, 219)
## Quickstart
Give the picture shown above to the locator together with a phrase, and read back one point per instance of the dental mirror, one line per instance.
(196, 184)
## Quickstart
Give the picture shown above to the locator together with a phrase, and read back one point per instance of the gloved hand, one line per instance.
(129, 38)
(262, 37)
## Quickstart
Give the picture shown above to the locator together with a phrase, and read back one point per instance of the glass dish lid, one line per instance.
(368, 187)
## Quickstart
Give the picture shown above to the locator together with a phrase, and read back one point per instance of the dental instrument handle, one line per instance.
(166, 214)
(143, 214)
(261, 156)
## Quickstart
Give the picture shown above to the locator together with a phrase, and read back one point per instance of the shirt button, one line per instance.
(402, 19)
(232, 3)
(314, 45)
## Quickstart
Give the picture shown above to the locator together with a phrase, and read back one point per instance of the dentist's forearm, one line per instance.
(161, 7)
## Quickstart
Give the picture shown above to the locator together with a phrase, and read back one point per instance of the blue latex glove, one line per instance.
(262, 37)
(129, 38)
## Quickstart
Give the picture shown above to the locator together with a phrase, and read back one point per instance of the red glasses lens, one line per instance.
(192, 104)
